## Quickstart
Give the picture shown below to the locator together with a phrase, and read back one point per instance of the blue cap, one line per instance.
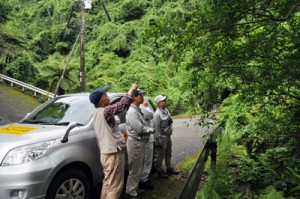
(138, 92)
(97, 94)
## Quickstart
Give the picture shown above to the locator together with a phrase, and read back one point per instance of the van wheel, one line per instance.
(72, 183)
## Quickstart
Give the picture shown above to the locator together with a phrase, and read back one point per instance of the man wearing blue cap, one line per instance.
(138, 136)
(111, 141)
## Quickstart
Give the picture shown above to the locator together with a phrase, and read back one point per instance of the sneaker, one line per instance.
(130, 197)
(171, 171)
(139, 193)
(146, 185)
(162, 175)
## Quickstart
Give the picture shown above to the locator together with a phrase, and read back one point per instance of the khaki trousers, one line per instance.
(113, 168)
(164, 152)
(136, 154)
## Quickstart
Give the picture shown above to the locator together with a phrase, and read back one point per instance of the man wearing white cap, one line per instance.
(162, 122)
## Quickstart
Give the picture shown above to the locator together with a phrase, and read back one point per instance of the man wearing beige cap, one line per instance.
(162, 122)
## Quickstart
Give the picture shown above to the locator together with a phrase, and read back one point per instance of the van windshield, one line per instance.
(62, 111)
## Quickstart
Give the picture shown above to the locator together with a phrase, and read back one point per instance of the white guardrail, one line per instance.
(28, 86)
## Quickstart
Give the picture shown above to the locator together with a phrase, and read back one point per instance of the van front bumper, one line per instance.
(25, 181)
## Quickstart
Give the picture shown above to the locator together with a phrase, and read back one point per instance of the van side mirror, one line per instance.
(70, 127)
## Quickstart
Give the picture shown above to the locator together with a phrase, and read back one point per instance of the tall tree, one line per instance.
(255, 43)
(10, 41)
(250, 49)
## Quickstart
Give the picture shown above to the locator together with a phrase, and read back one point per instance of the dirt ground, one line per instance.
(166, 189)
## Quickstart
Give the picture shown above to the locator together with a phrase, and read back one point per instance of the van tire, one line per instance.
(74, 176)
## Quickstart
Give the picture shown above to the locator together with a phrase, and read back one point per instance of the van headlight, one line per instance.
(26, 153)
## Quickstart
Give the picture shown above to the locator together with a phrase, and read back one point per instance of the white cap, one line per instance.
(159, 98)
(147, 111)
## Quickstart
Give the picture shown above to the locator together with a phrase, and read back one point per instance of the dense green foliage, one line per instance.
(243, 55)
(248, 53)
(116, 53)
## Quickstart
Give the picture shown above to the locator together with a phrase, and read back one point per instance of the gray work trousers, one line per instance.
(136, 154)
(148, 161)
(164, 152)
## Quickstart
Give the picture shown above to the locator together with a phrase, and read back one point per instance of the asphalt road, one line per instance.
(14, 105)
(187, 137)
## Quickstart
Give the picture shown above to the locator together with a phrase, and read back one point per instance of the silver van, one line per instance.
(52, 153)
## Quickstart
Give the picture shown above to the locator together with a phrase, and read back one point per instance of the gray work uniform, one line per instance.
(161, 122)
(138, 136)
(148, 160)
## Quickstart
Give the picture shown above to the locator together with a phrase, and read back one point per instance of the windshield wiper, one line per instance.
(66, 124)
(34, 122)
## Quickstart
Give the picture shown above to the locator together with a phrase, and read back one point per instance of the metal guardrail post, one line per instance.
(213, 153)
(191, 185)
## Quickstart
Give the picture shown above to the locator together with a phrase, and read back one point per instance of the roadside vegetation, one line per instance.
(241, 55)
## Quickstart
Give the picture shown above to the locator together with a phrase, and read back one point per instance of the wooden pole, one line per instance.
(82, 60)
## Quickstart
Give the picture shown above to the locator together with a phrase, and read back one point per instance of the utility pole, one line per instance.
(82, 60)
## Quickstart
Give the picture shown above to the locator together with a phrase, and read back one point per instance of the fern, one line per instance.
(271, 193)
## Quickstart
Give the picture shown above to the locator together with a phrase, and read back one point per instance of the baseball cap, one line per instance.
(159, 98)
(97, 94)
(138, 92)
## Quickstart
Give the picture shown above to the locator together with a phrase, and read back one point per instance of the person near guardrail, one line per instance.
(138, 136)
(145, 182)
(162, 122)
(111, 141)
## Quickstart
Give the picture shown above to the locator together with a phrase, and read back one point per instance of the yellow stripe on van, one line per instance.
(16, 130)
